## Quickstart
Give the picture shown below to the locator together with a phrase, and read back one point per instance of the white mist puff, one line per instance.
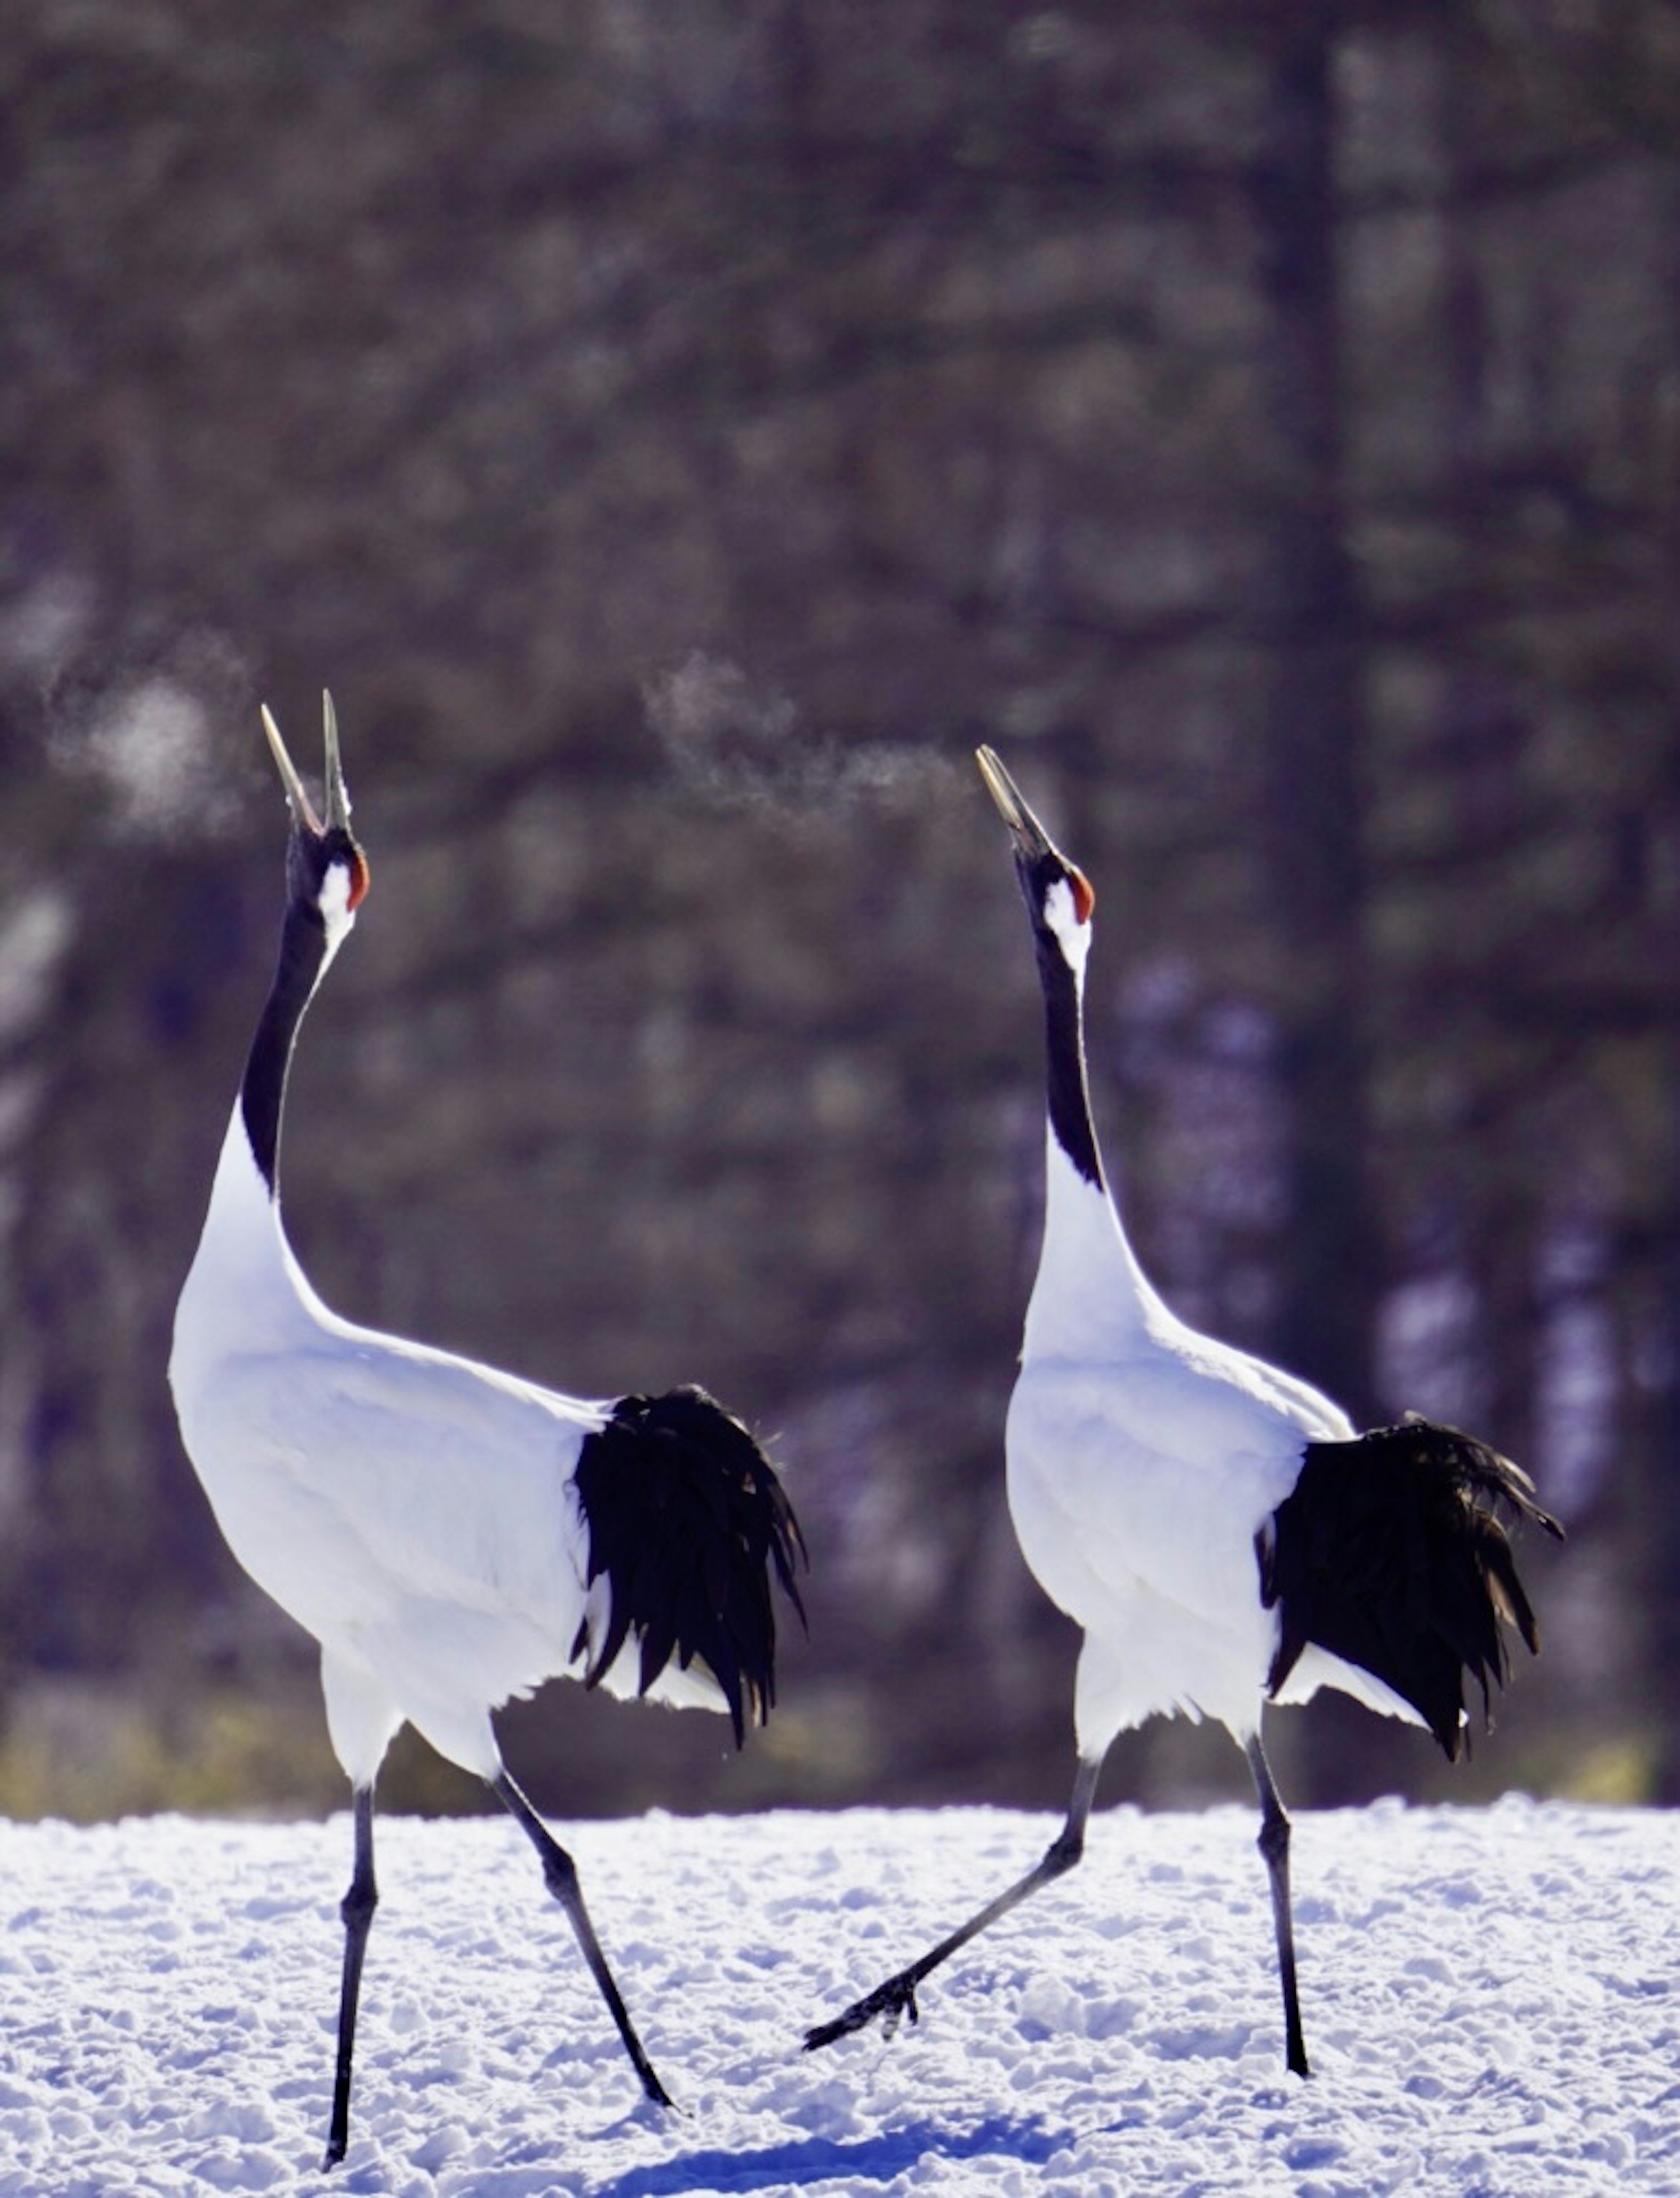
(41, 624)
(151, 747)
(745, 745)
(716, 731)
(36, 932)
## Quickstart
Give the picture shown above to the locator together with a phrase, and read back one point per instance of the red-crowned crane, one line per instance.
(452, 1535)
(1218, 1529)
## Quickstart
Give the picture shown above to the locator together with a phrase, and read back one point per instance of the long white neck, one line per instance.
(243, 1220)
(245, 1289)
(1091, 1299)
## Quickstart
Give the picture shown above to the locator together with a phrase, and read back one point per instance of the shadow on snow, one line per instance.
(823, 2160)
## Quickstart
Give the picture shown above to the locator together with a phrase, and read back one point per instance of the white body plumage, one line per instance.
(412, 1509)
(1143, 1459)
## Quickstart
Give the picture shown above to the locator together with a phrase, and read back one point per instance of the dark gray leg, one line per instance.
(357, 1909)
(1274, 1845)
(560, 1874)
(897, 1996)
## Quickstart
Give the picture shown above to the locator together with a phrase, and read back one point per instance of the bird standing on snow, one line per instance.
(1218, 1528)
(452, 1536)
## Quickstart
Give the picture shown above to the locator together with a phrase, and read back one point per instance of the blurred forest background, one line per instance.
(677, 435)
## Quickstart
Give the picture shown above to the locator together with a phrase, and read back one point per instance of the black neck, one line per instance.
(1065, 1060)
(303, 953)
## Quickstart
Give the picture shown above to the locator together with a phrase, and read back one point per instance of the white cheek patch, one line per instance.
(335, 910)
(1062, 914)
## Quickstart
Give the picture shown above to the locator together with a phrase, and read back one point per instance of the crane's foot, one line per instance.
(652, 2091)
(892, 2000)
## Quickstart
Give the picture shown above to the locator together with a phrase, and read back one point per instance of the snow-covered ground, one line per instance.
(1490, 1999)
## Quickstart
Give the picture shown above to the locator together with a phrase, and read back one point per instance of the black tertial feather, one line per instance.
(686, 1520)
(1390, 1553)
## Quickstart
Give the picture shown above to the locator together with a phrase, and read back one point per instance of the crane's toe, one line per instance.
(892, 2000)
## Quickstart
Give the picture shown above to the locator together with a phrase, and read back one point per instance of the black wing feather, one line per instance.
(1391, 1554)
(686, 1520)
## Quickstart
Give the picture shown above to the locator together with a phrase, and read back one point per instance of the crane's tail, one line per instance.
(1390, 1553)
(686, 1521)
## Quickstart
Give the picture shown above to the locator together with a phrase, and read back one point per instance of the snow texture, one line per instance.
(1490, 1999)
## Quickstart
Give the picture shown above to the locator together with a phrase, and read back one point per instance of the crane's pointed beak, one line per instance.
(338, 794)
(303, 810)
(297, 795)
(1032, 840)
(1033, 845)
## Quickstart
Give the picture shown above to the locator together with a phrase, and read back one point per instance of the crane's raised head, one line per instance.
(325, 866)
(1060, 897)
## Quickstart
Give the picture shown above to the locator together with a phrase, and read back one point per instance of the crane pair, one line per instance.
(452, 1535)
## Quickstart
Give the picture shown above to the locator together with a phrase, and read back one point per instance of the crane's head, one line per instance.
(1060, 898)
(325, 867)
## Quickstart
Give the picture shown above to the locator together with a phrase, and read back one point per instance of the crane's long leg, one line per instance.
(1274, 1845)
(560, 1874)
(357, 1909)
(897, 1996)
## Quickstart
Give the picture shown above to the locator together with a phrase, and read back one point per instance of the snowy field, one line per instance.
(1490, 1999)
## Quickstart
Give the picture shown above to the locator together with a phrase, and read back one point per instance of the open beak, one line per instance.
(338, 794)
(1032, 840)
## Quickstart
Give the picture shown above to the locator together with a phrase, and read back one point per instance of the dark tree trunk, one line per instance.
(1315, 737)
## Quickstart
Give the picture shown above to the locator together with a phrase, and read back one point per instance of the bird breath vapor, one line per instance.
(743, 745)
(150, 748)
